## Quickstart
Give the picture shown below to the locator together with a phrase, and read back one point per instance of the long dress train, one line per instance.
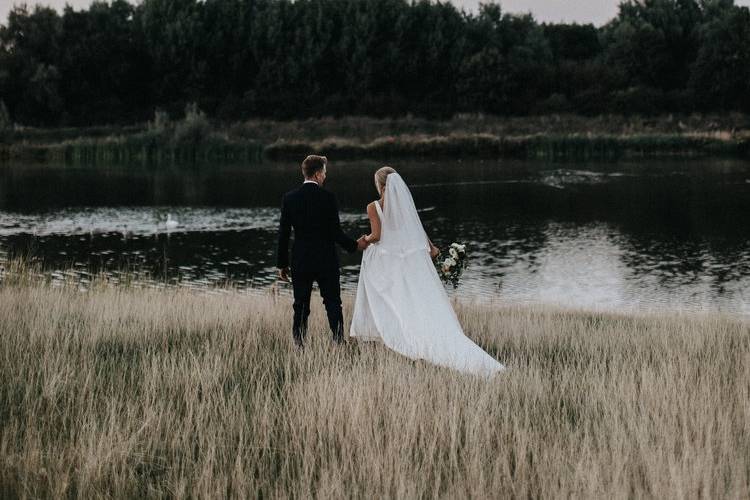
(400, 299)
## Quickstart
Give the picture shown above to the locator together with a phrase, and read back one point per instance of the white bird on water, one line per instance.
(171, 223)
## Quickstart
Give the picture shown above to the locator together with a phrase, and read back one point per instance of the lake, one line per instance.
(641, 235)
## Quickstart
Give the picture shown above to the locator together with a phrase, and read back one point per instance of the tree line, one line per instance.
(118, 63)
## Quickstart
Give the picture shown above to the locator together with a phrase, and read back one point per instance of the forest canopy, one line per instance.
(118, 63)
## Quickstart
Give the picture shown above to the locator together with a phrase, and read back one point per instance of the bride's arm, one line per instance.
(372, 214)
(434, 251)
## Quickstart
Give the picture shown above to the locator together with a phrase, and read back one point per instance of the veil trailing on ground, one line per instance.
(400, 299)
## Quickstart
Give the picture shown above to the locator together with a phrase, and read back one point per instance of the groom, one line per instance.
(313, 213)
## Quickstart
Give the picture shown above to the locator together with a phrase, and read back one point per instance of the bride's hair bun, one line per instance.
(381, 175)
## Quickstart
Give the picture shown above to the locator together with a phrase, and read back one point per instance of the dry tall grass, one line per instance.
(124, 392)
(567, 137)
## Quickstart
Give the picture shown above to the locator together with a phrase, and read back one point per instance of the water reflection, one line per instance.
(617, 236)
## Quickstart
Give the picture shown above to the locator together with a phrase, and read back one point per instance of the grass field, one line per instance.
(130, 392)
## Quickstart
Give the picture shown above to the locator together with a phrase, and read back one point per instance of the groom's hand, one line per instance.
(284, 274)
(362, 243)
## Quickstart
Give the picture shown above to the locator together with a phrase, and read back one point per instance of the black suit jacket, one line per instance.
(314, 214)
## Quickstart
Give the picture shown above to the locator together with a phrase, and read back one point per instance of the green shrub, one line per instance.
(194, 128)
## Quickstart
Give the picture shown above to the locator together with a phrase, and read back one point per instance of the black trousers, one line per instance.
(330, 290)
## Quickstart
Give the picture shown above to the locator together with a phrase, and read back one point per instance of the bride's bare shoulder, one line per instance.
(372, 209)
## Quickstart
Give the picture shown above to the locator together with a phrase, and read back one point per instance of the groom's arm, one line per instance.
(285, 230)
(339, 236)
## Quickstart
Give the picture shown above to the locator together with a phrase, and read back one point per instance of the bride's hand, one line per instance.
(434, 251)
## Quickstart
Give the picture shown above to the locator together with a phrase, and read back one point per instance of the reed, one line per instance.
(143, 148)
(367, 129)
(548, 147)
(555, 137)
(125, 391)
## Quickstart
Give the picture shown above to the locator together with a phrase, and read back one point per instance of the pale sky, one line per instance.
(581, 11)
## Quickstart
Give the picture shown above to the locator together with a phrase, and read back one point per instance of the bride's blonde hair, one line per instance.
(380, 178)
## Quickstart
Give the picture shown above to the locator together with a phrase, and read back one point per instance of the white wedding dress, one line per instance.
(400, 299)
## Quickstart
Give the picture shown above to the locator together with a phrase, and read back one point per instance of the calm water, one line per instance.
(625, 236)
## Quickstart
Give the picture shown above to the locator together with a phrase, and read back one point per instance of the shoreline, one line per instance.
(554, 138)
(348, 293)
(15, 271)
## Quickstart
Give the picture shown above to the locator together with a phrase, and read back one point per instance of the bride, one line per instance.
(400, 299)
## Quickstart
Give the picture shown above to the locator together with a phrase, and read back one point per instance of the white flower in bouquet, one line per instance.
(450, 269)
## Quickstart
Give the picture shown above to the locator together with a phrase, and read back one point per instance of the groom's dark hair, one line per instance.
(313, 164)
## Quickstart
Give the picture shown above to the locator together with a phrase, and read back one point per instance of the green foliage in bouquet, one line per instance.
(452, 266)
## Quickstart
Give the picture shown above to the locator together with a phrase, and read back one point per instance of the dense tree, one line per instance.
(654, 41)
(721, 73)
(105, 69)
(507, 65)
(573, 42)
(30, 57)
(119, 62)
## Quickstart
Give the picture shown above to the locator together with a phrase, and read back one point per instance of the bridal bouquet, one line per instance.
(451, 268)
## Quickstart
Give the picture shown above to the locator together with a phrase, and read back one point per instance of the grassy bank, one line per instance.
(125, 392)
(141, 148)
(561, 137)
(548, 147)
